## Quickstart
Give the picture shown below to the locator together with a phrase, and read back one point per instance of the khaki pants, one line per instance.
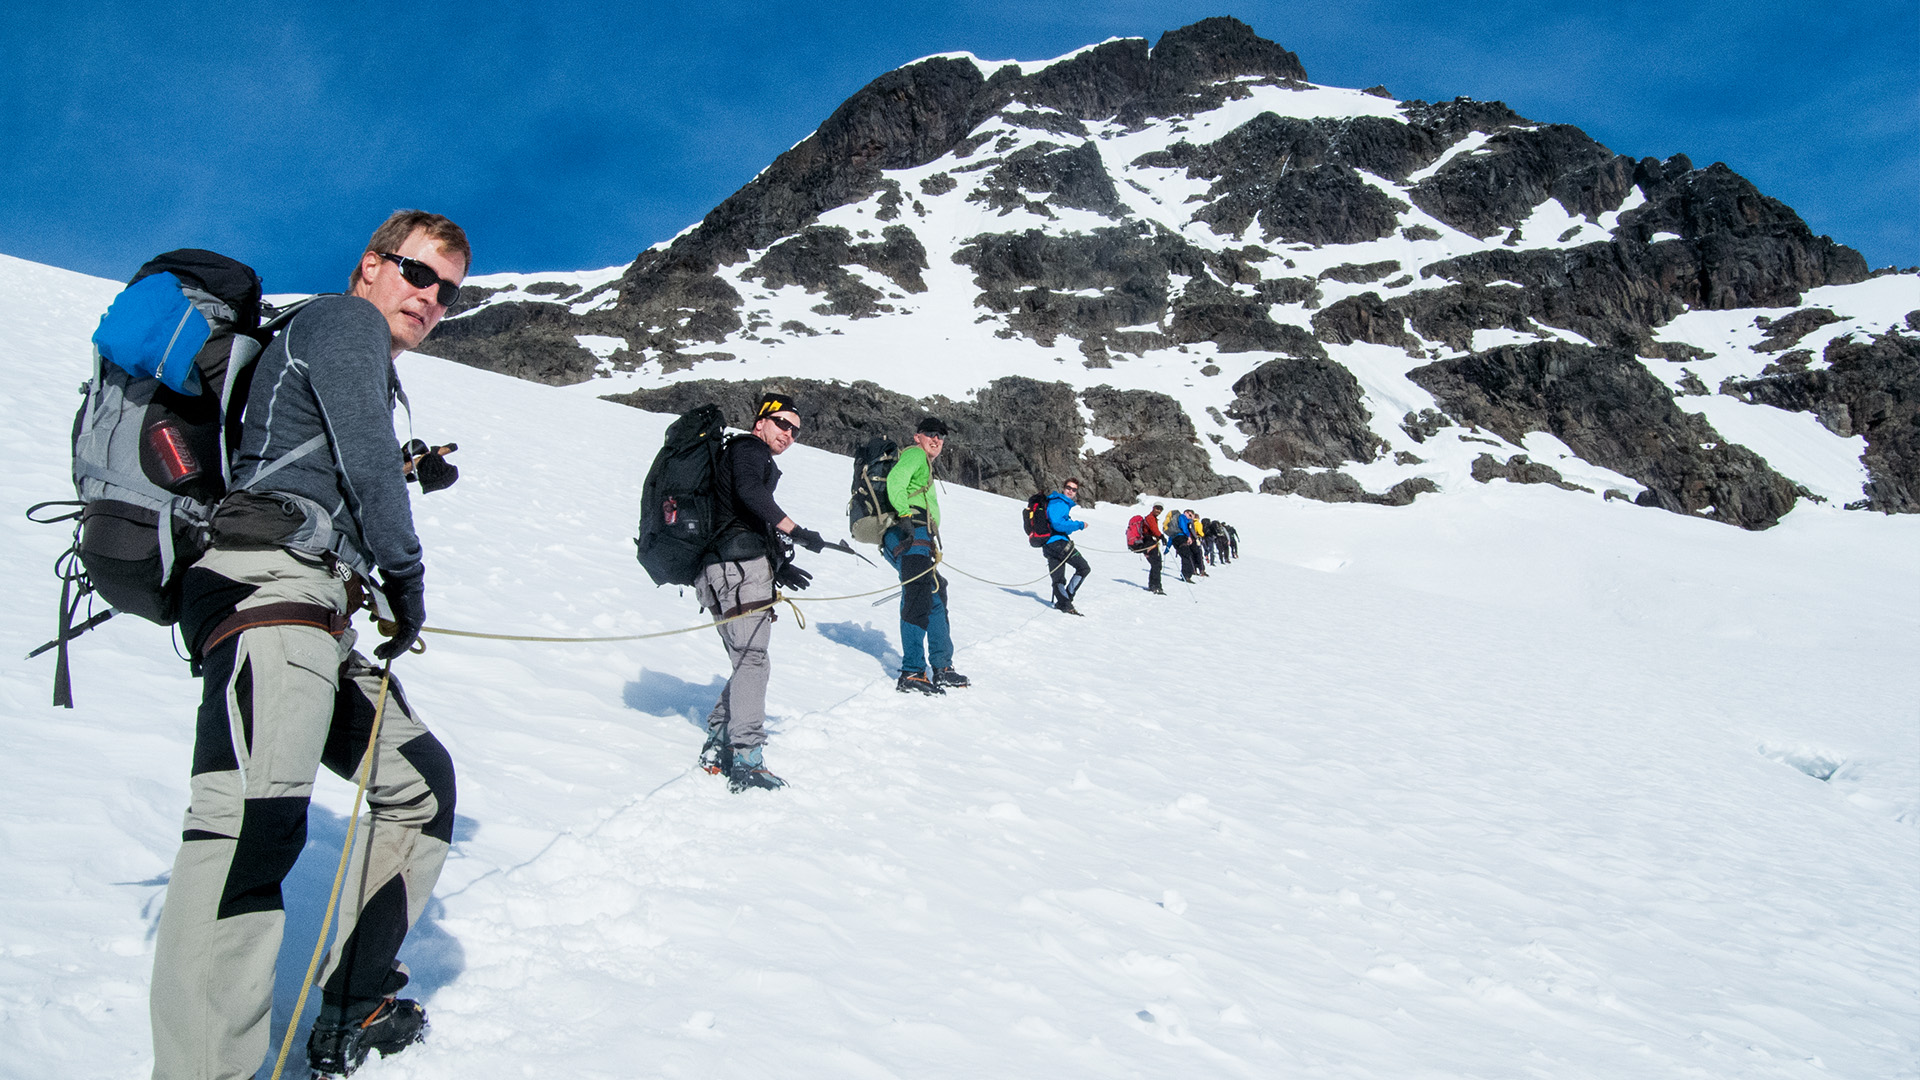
(278, 702)
(724, 588)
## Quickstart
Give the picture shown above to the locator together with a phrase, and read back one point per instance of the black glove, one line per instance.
(792, 577)
(407, 599)
(436, 472)
(808, 539)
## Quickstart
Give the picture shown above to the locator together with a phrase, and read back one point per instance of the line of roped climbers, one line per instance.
(1198, 543)
(261, 562)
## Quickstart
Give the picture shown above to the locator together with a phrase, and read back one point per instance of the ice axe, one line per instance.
(848, 548)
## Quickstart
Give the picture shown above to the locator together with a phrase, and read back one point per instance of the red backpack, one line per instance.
(1136, 533)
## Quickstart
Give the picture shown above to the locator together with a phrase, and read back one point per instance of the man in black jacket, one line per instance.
(751, 554)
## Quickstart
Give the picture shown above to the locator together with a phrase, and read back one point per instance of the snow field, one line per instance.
(1510, 783)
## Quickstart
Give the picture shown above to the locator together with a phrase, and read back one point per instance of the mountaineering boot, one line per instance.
(946, 676)
(1158, 592)
(716, 757)
(339, 1044)
(1066, 608)
(917, 680)
(749, 772)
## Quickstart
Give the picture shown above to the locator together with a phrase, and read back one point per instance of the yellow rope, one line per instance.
(778, 598)
(346, 850)
(1071, 548)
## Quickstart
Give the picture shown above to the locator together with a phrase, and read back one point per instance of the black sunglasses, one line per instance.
(421, 276)
(787, 426)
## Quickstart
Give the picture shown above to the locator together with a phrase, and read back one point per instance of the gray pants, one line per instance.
(278, 702)
(723, 589)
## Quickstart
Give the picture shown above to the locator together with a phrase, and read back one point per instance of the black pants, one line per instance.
(1152, 552)
(1189, 551)
(1061, 554)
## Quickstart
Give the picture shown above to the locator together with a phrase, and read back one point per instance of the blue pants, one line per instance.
(924, 635)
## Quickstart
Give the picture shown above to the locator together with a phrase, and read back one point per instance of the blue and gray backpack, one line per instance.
(152, 442)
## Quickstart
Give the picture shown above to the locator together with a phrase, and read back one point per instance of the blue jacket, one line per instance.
(1058, 507)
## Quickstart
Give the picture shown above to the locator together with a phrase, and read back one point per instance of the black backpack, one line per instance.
(154, 437)
(869, 512)
(1035, 520)
(680, 511)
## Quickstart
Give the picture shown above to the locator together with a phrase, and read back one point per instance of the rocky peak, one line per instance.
(1286, 267)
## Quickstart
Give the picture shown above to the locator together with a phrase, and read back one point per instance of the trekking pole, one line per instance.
(340, 875)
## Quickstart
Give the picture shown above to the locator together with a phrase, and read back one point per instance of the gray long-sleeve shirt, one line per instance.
(331, 372)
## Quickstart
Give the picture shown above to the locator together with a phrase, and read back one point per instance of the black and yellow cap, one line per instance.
(773, 403)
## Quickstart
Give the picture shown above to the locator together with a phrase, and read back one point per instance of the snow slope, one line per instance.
(1512, 783)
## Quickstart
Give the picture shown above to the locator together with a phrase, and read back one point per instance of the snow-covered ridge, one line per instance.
(989, 68)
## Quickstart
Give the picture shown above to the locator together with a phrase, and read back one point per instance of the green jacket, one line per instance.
(910, 486)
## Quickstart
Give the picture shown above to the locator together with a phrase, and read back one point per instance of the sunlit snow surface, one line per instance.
(1511, 782)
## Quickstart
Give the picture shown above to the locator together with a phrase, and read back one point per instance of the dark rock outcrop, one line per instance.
(1519, 469)
(1297, 177)
(1302, 412)
(1424, 424)
(526, 340)
(1360, 274)
(1067, 176)
(1785, 332)
(1019, 435)
(1611, 411)
(817, 258)
(1033, 278)
(1363, 318)
(1870, 389)
(1192, 66)
(1497, 186)
(1030, 277)
(1736, 248)
(1337, 487)
(1155, 449)
(1745, 249)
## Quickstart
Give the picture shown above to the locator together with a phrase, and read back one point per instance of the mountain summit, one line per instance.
(1187, 269)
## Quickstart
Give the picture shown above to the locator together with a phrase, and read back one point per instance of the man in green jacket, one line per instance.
(926, 646)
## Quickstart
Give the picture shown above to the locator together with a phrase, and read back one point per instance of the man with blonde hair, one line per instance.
(318, 505)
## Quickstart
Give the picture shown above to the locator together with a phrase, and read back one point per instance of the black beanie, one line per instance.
(773, 403)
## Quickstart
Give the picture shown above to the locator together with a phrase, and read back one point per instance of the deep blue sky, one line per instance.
(571, 136)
